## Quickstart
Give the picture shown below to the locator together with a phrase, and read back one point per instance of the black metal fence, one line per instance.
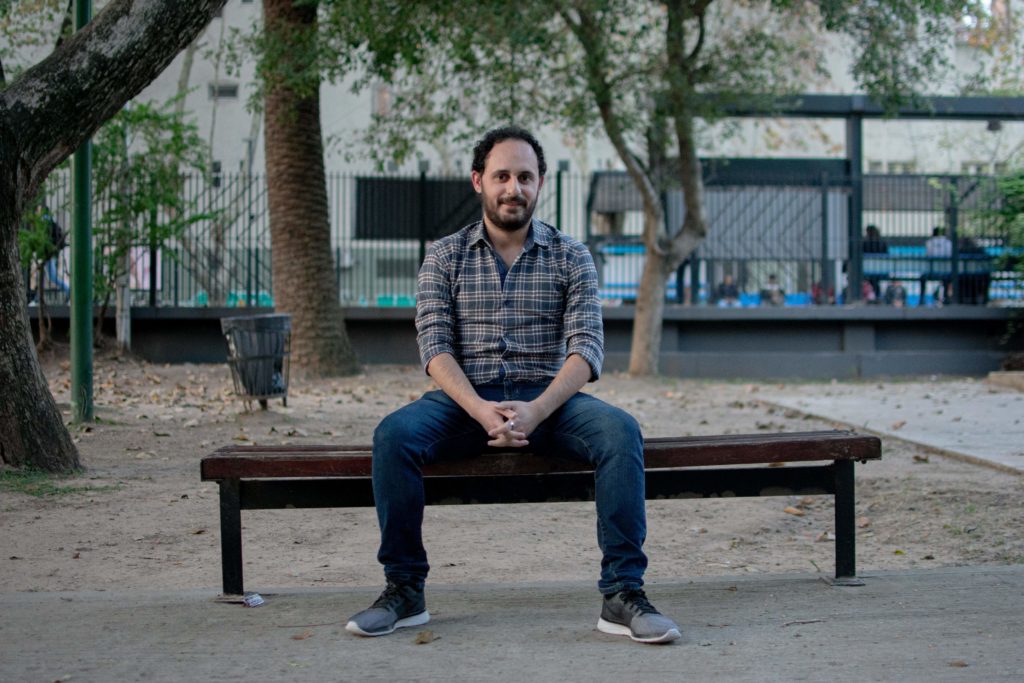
(773, 239)
(791, 239)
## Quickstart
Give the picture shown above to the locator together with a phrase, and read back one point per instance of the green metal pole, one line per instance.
(81, 266)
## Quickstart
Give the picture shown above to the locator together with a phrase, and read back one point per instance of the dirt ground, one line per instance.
(140, 518)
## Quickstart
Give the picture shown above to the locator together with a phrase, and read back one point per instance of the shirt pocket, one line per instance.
(545, 301)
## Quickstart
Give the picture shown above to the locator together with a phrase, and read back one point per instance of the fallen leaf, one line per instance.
(958, 664)
(196, 532)
(898, 552)
(240, 437)
(826, 536)
(920, 458)
(303, 635)
(863, 522)
(806, 501)
(898, 424)
(424, 637)
(790, 510)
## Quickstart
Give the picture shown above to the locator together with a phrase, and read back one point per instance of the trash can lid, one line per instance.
(270, 322)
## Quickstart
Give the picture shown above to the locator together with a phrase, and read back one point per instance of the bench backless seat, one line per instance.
(318, 476)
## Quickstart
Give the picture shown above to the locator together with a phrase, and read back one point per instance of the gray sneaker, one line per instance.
(398, 606)
(628, 613)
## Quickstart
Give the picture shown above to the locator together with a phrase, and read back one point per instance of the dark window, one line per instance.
(390, 207)
(225, 91)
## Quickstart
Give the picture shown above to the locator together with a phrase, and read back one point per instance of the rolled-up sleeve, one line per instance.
(435, 320)
(584, 329)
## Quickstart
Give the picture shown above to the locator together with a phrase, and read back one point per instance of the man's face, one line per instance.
(509, 185)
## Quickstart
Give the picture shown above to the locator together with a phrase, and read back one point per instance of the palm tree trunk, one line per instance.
(302, 262)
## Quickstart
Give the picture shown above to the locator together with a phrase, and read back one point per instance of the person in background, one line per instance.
(938, 245)
(727, 294)
(896, 294)
(772, 294)
(873, 242)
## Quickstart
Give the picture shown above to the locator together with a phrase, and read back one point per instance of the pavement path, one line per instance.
(969, 419)
(954, 624)
(950, 624)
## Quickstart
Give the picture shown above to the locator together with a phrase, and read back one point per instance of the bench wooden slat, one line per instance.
(303, 461)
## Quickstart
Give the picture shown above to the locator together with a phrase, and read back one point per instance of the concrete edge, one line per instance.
(1010, 379)
(937, 450)
(211, 594)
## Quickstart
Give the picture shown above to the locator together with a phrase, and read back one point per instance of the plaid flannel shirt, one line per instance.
(523, 331)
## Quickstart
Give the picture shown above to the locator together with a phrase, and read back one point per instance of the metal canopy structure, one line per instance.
(854, 109)
(850, 106)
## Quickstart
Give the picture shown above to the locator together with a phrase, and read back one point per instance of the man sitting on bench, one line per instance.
(509, 326)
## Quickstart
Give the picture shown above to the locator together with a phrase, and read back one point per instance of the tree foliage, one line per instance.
(1009, 217)
(646, 75)
(139, 157)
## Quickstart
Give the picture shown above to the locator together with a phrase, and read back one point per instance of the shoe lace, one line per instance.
(636, 601)
(391, 596)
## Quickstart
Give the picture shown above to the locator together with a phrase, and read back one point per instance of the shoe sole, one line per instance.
(622, 630)
(415, 620)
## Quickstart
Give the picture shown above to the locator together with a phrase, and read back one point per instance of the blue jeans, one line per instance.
(435, 428)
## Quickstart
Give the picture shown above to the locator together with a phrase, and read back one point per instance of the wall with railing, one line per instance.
(773, 239)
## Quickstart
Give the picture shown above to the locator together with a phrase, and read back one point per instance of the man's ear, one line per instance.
(477, 182)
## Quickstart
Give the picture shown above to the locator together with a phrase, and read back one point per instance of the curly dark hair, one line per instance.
(493, 137)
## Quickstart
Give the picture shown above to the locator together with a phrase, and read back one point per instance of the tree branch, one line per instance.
(60, 102)
(66, 25)
(692, 57)
(589, 35)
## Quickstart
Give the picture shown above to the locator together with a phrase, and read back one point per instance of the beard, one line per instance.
(509, 222)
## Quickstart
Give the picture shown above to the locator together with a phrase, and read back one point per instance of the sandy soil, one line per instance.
(139, 517)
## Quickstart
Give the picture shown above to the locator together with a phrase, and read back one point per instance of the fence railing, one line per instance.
(771, 240)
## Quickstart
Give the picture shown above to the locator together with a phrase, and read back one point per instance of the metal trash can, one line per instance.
(258, 354)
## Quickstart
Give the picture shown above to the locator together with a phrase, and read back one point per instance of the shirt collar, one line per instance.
(539, 234)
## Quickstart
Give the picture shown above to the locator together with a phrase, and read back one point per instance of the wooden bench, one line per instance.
(276, 477)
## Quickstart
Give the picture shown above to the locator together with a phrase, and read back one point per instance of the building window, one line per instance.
(902, 167)
(1002, 168)
(974, 168)
(223, 91)
(876, 167)
(381, 99)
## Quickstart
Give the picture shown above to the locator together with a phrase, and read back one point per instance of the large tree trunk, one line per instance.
(668, 246)
(302, 262)
(44, 116)
(31, 429)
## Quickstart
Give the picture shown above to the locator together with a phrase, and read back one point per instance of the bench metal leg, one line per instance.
(846, 526)
(231, 536)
